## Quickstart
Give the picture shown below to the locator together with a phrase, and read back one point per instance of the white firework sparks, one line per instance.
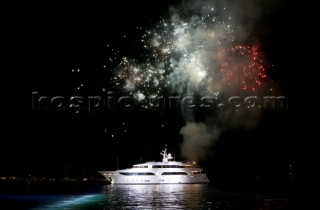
(182, 56)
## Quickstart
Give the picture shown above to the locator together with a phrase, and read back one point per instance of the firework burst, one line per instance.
(242, 67)
(144, 82)
(187, 56)
(127, 75)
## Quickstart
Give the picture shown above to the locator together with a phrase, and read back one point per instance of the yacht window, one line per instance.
(165, 166)
(140, 166)
(137, 173)
(174, 173)
(187, 166)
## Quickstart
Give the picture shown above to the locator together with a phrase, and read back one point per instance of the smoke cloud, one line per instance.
(198, 138)
(236, 21)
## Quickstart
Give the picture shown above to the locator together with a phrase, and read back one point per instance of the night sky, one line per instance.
(55, 40)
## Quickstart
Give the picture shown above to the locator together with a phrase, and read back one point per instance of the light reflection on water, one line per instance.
(170, 196)
(72, 203)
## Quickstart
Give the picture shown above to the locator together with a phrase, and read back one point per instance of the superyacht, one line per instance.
(164, 172)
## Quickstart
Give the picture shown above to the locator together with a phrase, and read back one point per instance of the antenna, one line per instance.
(165, 156)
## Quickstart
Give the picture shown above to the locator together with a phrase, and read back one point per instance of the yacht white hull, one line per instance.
(116, 178)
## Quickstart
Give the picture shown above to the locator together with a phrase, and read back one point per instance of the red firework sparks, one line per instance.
(242, 67)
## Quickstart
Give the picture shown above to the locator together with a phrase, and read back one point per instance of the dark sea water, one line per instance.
(75, 196)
